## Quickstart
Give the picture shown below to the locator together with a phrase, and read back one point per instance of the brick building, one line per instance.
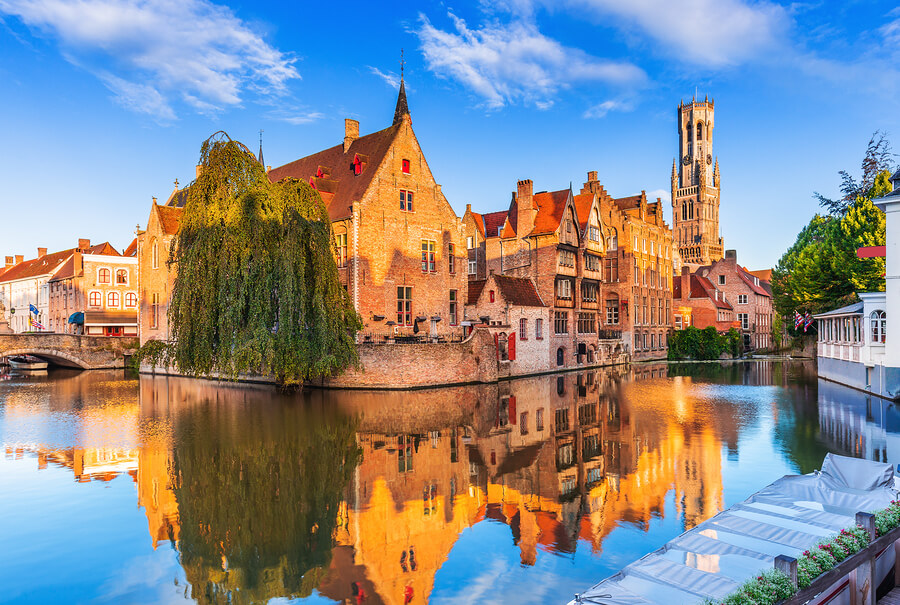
(557, 240)
(637, 271)
(156, 277)
(95, 292)
(749, 296)
(399, 242)
(698, 302)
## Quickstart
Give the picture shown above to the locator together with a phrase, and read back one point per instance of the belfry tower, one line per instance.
(695, 186)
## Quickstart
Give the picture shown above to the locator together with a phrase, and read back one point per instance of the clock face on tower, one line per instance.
(686, 160)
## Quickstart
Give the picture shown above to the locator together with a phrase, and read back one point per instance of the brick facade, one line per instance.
(155, 276)
(699, 303)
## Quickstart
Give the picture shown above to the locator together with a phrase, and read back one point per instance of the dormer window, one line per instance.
(312, 182)
(405, 166)
(359, 162)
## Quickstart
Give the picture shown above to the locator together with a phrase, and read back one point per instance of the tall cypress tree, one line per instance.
(257, 288)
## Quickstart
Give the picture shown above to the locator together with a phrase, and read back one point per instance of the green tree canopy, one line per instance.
(257, 288)
(821, 270)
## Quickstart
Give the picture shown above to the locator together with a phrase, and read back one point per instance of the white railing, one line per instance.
(840, 350)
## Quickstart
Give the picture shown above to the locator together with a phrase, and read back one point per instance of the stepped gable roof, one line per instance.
(493, 221)
(476, 286)
(551, 205)
(131, 250)
(519, 291)
(169, 218)
(631, 201)
(583, 203)
(348, 187)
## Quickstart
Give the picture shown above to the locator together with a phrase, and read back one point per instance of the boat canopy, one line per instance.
(786, 518)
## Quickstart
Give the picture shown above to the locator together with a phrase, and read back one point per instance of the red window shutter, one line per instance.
(513, 417)
(497, 345)
(511, 345)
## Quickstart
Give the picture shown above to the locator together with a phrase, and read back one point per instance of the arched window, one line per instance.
(560, 356)
(95, 299)
(699, 131)
(112, 300)
(131, 300)
(103, 276)
(121, 276)
(154, 254)
(879, 326)
(690, 132)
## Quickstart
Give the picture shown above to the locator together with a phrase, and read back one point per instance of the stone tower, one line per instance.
(695, 186)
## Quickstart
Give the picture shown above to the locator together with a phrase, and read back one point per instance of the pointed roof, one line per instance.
(169, 218)
(344, 186)
(519, 291)
(260, 157)
(583, 204)
(131, 250)
(551, 206)
(402, 107)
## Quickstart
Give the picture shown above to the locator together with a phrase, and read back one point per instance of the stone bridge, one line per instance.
(69, 350)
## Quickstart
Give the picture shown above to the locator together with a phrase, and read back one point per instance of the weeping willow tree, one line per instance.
(257, 288)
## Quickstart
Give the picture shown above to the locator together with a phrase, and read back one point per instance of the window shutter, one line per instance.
(511, 345)
(497, 345)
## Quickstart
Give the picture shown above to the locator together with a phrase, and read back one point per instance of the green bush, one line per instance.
(694, 343)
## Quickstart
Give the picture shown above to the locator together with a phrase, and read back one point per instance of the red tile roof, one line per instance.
(170, 218)
(624, 203)
(475, 288)
(519, 291)
(131, 250)
(493, 221)
(67, 269)
(583, 203)
(701, 287)
(750, 280)
(348, 187)
(479, 222)
(550, 205)
(51, 263)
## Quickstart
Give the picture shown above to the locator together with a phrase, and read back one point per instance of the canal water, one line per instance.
(119, 488)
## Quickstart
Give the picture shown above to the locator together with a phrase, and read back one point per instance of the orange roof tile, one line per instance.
(348, 187)
(583, 203)
(45, 265)
(493, 221)
(518, 291)
(551, 205)
(131, 250)
(170, 218)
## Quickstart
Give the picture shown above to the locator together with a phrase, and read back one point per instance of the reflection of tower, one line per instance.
(695, 186)
(156, 492)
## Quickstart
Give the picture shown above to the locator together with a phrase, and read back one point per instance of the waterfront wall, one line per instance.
(75, 351)
(878, 380)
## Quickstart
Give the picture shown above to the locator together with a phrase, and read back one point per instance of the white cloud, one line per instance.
(194, 50)
(392, 79)
(295, 117)
(601, 109)
(664, 194)
(704, 32)
(514, 62)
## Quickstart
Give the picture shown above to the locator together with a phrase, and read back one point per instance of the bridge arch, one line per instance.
(58, 357)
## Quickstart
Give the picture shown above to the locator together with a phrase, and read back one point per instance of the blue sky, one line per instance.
(104, 103)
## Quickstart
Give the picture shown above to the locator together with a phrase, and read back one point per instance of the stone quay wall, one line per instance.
(76, 351)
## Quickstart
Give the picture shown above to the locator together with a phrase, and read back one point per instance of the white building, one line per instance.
(854, 345)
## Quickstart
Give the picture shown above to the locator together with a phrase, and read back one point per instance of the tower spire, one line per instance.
(402, 108)
(260, 158)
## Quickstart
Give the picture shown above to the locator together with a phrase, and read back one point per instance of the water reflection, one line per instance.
(375, 497)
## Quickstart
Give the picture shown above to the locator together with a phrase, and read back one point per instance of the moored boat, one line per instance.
(27, 362)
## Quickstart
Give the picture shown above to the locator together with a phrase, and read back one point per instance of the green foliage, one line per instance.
(693, 343)
(154, 352)
(257, 289)
(888, 519)
(767, 588)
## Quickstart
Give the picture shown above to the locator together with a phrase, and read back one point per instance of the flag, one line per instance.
(807, 321)
(33, 309)
(30, 321)
(38, 325)
(798, 320)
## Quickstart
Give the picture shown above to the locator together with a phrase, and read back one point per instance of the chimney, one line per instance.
(10, 261)
(592, 176)
(468, 209)
(351, 133)
(731, 255)
(685, 282)
(20, 258)
(525, 207)
(84, 244)
(42, 252)
(198, 170)
(268, 169)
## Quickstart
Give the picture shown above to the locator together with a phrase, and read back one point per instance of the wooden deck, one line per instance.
(891, 598)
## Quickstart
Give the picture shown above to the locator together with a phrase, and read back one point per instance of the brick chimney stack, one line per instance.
(10, 261)
(20, 258)
(525, 208)
(42, 252)
(685, 283)
(592, 176)
(83, 244)
(351, 133)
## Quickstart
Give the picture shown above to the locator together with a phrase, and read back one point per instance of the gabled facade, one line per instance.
(699, 303)
(400, 246)
(637, 271)
(156, 276)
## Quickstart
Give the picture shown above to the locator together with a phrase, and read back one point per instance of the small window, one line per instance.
(428, 263)
(470, 242)
(404, 305)
(95, 299)
(453, 308)
(523, 329)
(112, 300)
(103, 276)
(473, 266)
(131, 300)
(539, 328)
(742, 299)
(406, 200)
(121, 276)
(721, 280)
(405, 164)
(451, 258)
(491, 295)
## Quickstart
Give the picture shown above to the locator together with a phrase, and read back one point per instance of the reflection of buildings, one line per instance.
(857, 424)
